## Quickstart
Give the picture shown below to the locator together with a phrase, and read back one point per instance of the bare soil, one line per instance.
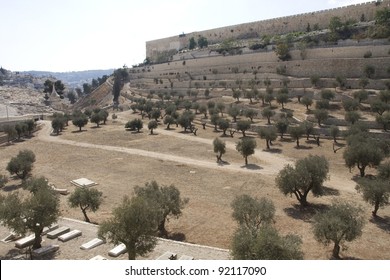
(118, 160)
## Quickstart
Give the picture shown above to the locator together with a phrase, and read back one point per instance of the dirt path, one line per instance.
(272, 163)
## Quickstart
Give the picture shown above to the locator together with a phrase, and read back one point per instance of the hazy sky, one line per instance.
(73, 35)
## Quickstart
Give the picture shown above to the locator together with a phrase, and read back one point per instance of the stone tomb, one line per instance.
(83, 182)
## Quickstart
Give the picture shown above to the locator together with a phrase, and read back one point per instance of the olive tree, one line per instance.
(152, 125)
(79, 119)
(86, 199)
(267, 244)
(134, 224)
(243, 126)
(308, 175)
(22, 164)
(219, 148)
(340, 223)
(374, 191)
(269, 134)
(165, 201)
(135, 124)
(253, 213)
(361, 153)
(246, 147)
(32, 212)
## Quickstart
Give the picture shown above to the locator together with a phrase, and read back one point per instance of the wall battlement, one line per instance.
(276, 26)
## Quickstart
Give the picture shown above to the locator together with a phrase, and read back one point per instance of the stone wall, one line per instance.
(209, 72)
(268, 27)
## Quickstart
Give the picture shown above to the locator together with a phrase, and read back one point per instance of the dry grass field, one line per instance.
(118, 160)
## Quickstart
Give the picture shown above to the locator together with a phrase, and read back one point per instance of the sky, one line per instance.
(76, 35)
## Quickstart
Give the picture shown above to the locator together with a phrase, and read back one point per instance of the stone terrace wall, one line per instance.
(327, 63)
(268, 27)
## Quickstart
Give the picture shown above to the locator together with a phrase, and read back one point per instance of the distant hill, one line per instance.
(72, 79)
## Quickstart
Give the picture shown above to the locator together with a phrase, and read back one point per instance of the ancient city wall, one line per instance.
(267, 27)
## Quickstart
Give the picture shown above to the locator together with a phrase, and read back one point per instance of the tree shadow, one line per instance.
(273, 150)
(10, 188)
(381, 222)
(95, 127)
(177, 236)
(302, 147)
(153, 134)
(223, 163)
(79, 131)
(11, 254)
(252, 166)
(327, 191)
(299, 212)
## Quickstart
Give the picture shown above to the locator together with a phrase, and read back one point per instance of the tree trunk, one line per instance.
(85, 214)
(162, 232)
(267, 144)
(246, 160)
(376, 207)
(336, 251)
(130, 252)
(37, 240)
(298, 142)
(362, 171)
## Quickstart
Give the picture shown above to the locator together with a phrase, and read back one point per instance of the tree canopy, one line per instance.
(340, 223)
(246, 147)
(31, 213)
(164, 200)
(308, 175)
(86, 199)
(134, 224)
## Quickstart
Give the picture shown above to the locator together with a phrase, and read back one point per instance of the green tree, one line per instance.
(361, 153)
(22, 164)
(134, 224)
(352, 116)
(308, 128)
(282, 51)
(360, 95)
(223, 124)
(169, 120)
(30, 126)
(384, 96)
(350, 104)
(334, 131)
(282, 126)
(237, 94)
(202, 42)
(268, 244)
(321, 115)
(86, 199)
(374, 191)
(379, 107)
(307, 176)
(30, 213)
(307, 101)
(246, 147)
(135, 124)
(152, 125)
(243, 126)
(340, 223)
(282, 98)
(384, 120)
(219, 148)
(79, 119)
(96, 118)
(57, 124)
(327, 94)
(192, 44)
(234, 112)
(269, 134)
(165, 201)
(10, 131)
(121, 76)
(250, 113)
(369, 71)
(268, 113)
(252, 213)
(296, 132)
(185, 120)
